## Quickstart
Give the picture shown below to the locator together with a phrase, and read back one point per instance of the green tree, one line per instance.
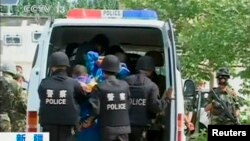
(98, 4)
(211, 33)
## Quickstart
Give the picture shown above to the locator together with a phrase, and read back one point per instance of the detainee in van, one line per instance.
(136, 31)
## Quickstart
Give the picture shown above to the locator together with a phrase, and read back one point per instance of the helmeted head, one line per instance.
(59, 59)
(9, 67)
(117, 51)
(111, 64)
(145, 63)
(157, 56)
(222, 76)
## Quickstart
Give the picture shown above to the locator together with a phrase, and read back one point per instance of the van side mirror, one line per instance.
(189, 88)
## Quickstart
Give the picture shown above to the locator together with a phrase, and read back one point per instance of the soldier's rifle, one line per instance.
(226, 110)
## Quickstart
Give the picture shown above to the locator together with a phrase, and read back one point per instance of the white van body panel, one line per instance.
(38, 71)
(23, 53)
(108, 22)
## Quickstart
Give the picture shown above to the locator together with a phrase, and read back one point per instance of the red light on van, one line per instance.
(84, 13)
(32, 121)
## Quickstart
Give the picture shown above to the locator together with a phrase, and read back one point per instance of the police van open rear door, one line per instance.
(174, 128)
(36, 76)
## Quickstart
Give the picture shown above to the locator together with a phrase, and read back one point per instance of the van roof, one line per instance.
(108, 22)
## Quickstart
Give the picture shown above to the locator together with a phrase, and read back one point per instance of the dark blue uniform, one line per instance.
(111, 104)
(145, 104)
(60, 97)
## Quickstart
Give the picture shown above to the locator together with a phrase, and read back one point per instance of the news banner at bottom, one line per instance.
(241, 132)
(24, 136)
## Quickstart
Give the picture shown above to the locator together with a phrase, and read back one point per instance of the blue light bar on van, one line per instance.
(140, 14)
(112, 14)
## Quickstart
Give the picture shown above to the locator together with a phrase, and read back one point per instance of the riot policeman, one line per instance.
(111, 102)
(145, 99)
(60, 97)
(20, 118)
(222, 101)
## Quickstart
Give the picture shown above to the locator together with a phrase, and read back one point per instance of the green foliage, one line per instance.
(212, 33)
(245, 87)
(218, 36)
(202, 136)
(98, 4)
(245, 121)
(245, 115)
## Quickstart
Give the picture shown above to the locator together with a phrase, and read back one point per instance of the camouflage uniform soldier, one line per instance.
(6, 97)
(12, 103)
(20, 118)
(226, 95)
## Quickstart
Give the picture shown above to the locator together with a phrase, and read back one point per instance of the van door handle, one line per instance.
(37, 71)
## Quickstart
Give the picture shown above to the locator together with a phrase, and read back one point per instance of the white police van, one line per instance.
(136, 31)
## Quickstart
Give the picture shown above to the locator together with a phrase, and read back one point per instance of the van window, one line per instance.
(36, 36)
(135, 41)
(12, 40)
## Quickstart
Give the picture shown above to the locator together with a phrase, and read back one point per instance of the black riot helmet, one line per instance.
(145, 63)
(59, 59)
(223, 72)
(111, 63)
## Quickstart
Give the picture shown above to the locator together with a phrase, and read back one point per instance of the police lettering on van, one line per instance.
(112, 13)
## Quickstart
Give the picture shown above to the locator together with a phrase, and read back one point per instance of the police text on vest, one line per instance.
(121, 106)
(138, 101)
(55, 101)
